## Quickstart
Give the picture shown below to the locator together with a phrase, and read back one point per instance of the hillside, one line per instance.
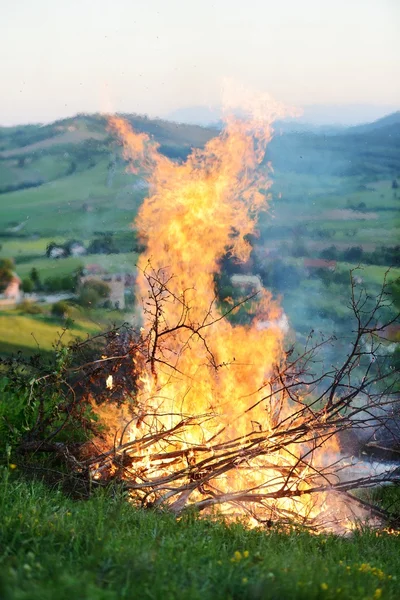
(68, 181)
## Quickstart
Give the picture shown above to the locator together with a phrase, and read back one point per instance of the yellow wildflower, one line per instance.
(246, 554)
(244, 580)
(324, 586)
(237, 556)
(12, 466)
(378, 594)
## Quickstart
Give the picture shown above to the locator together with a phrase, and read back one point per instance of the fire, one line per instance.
(203, 380)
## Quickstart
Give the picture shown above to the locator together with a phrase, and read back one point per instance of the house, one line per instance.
(57, 252)
(77, 249)
(116, 282)
(12, 293)
(249, 284)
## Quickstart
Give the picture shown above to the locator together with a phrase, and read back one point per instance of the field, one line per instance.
(333, 198)
(104, 549)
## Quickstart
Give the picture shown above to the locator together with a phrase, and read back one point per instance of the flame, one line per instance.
(201, 369)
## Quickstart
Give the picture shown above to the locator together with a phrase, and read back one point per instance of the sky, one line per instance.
(60, 57)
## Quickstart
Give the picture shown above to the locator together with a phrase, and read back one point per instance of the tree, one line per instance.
(93, 293)
(60, 309)
(103, 245)
(34, 275)
(27, 285)
(353, 254)
(6, 272)
(395, 185)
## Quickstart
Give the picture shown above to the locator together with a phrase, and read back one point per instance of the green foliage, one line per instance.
(27, 285)
(93, 293)
(60, 309)
(30, 308)
(105, 549)
(103, 245)
(6, 272)
(17, 412)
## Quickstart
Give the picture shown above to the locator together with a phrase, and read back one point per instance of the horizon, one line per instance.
(375, 113)
(160, 59)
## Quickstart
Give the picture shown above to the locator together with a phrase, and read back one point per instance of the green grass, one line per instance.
(32, 333)
(57, 207)
(104, 549)
(49, 267)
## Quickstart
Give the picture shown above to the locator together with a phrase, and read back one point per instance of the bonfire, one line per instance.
(221, 417)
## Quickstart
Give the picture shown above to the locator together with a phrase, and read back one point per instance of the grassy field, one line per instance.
(80, 204)
(48, 267)
(29, 334)
(104, 549)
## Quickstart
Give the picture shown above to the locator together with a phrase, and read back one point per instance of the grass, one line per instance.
(104, 549)
(49, 267)
(57, 207)
(31, 333)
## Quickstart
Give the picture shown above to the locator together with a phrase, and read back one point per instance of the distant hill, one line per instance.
(34, 155)
(390, 121)
(315, 116)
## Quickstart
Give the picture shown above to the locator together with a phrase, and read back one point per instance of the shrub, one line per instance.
(93, 292)
(89, 298)
(30, 308)
(60, 309)
(27, 286)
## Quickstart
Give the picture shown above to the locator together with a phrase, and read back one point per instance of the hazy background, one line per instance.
(159, 57)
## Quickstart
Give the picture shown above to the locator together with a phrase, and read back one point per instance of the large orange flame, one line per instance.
(195, 212)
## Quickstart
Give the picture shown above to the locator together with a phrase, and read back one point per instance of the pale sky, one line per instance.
(60, 57)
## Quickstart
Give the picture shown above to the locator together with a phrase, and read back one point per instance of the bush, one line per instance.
(89, 298)
(93, 292)
(6, 272)
(30, 308)
(27, 286)
(60, 309)
(353, 254)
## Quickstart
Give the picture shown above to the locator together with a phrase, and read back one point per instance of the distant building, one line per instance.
(12, 294)
(117, 282)
(57, 252)
(247, 283)
(77, 249)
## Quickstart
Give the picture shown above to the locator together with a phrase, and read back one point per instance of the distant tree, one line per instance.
(330, 253)
(89, 298)
(34, 275)
(53, 284)
(7, 263)
(93, 293)
(353, 254)
(6, 272)
(299, 248)
(60, 309)
(395, 185)
(103, 245)
(27, 285)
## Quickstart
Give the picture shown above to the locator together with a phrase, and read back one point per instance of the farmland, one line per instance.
(71, 183)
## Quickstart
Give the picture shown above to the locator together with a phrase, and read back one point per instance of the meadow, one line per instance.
(103, 548)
